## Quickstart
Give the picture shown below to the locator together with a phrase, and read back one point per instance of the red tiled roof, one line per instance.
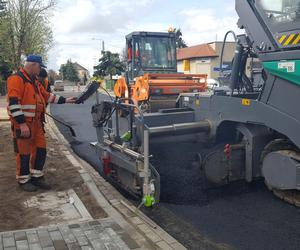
(198, 51)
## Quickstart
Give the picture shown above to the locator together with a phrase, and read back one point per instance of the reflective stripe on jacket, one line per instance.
(22, 97)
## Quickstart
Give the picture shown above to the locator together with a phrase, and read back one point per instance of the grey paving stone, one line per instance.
(52, 228)
(44, 237)
(91, 234)
(8, 242)
(20, 236)
(60, 245)
(129, 241)
(104, 237)
(136, 220)
(45, 241)
(64, 229)
(55, 235)
(49, 248)
(69, 238)
(99, 229)
(82, 241)
(86, 248)
(153, 237)
(120, 243)
(32, 238)
(94, 223)
(163, 245)
(116, 227)
(85, 226)
(22, 245)
(74, 246)
(106, 223)
(177, 246)
(10, 248)
(74, 226)
(77, 232)
(111, 246)
(35, 246)
(67, 234)
(98, 244)
(42, 231)
(7, 234)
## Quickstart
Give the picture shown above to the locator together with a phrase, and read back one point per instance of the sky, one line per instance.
(80, 26)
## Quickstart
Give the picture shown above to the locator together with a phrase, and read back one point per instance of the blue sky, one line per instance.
(80, 25)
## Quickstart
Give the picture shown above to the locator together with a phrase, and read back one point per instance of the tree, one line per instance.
(25, 29)
(2, 6)
(85, 79)
(68, 72)
(180, 43)
(52, 76)
(109, 65)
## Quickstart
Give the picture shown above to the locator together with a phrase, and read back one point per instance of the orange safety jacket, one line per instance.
(24, 94)
(46, 85)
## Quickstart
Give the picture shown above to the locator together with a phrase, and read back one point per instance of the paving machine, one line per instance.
(152, 80)
(246, 133)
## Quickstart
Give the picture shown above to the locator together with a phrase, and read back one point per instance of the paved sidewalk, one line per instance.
(123, 228)
(96, 234)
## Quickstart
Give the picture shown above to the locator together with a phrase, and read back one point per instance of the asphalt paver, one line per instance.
(238, 216)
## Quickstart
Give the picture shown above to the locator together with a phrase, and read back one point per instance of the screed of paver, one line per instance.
(20, 210)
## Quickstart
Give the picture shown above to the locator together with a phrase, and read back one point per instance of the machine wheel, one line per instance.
(290, 196)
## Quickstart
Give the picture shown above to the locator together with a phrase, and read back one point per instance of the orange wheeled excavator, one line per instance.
(151, 80)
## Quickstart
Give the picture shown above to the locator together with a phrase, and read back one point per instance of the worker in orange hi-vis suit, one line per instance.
(43, 79)
(26, 106)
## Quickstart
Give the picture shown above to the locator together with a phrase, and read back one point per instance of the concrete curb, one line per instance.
(137, 224)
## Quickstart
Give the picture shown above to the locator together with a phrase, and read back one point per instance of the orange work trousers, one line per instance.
(30, 152)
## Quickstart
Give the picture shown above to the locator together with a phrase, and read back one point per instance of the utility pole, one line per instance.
(103, 45)
(103, 48)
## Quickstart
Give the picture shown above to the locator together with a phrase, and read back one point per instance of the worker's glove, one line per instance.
(71, 100)
(25, 131)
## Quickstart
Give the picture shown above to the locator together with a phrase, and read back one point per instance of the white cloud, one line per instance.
(76, 22)
(205, 25)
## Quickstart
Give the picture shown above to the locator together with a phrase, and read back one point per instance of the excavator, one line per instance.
(151, 80)
(247, 133)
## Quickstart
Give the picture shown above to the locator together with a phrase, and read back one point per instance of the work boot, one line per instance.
(28, 187)
(40, 182)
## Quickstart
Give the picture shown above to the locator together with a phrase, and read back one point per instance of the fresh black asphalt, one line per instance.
(239, 216)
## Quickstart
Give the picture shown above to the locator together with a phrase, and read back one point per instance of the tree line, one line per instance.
(24, 29)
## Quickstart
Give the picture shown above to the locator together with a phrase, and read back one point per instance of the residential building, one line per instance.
(82, 72)
(204, 58)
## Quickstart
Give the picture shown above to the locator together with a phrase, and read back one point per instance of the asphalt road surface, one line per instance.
(239, 216)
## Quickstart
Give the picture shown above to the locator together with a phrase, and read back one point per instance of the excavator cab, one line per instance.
(150, 52)
(152, 80)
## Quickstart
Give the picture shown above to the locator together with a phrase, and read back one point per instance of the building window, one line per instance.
(186, 65)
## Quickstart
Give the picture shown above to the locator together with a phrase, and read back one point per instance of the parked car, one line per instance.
(212, 84)
(59, 85)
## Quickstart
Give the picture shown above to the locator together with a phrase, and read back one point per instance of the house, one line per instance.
(82, 72)
(204, 58)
